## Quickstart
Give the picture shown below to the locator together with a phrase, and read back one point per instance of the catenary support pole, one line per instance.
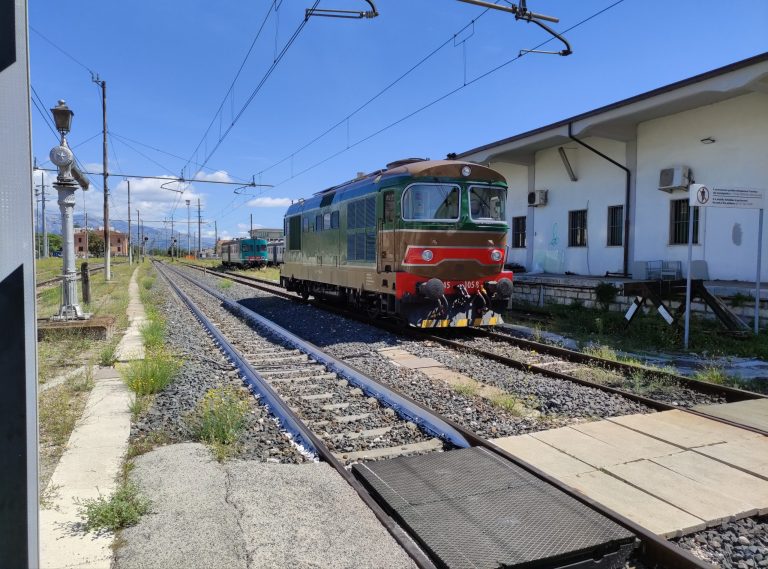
(45, 227)
(189, 248)
(105, 166)
(215, 236)
(757, 277)
(199, 221)
(130, 251)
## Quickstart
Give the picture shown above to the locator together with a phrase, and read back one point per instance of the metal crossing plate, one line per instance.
(471, 508)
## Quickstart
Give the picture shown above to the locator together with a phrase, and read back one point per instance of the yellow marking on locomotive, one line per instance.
(477, 322)
(427, 323)
(492, 321)
(444, 323)
(461, 322)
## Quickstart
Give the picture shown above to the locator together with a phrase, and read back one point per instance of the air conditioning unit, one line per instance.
(675, 178)
(537, 198)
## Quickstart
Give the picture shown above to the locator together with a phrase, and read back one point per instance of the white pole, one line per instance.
(688, 278)
(757, 278)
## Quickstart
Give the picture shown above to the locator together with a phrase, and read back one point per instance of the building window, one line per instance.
(577, 228)
(615, 225)
(678, 222)
(80, 249)
(518, 232)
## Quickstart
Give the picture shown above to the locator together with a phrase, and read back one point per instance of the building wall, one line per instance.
(727, 237)
(517, 202)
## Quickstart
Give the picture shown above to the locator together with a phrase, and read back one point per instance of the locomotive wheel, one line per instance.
(304, 294)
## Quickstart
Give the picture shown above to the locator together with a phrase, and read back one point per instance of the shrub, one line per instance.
(151, 374)
(108, 355)
(605, 294)
(122, 509)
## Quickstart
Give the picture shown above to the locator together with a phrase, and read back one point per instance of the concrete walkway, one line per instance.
(131, 346)
(91, 463)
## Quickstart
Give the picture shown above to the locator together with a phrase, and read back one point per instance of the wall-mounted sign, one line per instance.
(742, 198)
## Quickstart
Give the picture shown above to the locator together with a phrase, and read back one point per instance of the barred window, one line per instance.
(577, 228)
(361, 230)
(678, 222)
(615, 225)
(518, 232)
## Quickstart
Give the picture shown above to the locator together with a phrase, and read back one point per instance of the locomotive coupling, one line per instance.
(434, 288)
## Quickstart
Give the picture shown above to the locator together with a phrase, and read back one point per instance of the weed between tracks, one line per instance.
(219, 418)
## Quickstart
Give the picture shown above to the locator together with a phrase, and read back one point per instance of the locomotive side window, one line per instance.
(327, 220)
(361, 230)
(389, 207)
(487, 203)
(335, 220)
(318, 223)
(305, 224)
(431, 202)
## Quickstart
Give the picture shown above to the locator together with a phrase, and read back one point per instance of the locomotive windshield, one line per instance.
(431, 202)
(486, 203)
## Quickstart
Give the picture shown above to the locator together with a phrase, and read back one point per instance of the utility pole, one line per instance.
(86, 234)
(216, 236)
(173, 241)
(130, 251)
(44, 253)
(251, 233)
(138, 231)
(107, 252)
(199, 220)
(189, 249)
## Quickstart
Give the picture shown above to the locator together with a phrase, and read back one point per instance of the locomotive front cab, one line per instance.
(447, 242)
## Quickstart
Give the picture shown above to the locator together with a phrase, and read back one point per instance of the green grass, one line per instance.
(650, 333)
(466, 389)
(225, 284)
(153, 334)
(108, 354)
(508, 403)
(219, 418)
(122, 509)
(152, 374)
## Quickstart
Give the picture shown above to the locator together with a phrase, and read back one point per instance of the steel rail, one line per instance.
(295, 425)
(654, 547)
(418, 334)
(732, 394)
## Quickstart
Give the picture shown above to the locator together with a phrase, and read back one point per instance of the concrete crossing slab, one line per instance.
(682, 429)
(542, 456)
(620, 437)
(589, 449)
(697, 499)
(752, 413)
(637, 505)
(727, 480)
(749, 455)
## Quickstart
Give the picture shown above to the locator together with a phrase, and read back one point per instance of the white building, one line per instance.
(716, 124)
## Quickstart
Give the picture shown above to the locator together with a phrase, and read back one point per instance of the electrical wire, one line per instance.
(70, 56)
(444, 96)
(413, 68)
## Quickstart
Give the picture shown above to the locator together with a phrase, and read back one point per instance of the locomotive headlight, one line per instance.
(496, 255)
(466, 171)
(427, 255)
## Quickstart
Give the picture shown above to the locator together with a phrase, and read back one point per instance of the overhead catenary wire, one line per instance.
(67, 54)
(405, 74)
(443, 97)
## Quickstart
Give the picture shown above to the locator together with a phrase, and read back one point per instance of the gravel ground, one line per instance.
(732, 545)
(340, 438)
(558, 402)
(204, 368)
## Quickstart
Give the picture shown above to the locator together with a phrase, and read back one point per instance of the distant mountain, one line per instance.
(157, 237)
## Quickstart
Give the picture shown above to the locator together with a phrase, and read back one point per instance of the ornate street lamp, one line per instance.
(66, 183)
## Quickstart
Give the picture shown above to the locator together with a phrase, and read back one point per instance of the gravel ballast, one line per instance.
(732, 545)
(558, 402)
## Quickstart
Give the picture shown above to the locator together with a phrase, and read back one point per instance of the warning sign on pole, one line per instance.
(743, 198)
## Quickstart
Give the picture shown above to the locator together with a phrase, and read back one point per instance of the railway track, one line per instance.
(658, 389)
(321, 402)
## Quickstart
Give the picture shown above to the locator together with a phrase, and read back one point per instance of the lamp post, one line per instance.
(66, 185)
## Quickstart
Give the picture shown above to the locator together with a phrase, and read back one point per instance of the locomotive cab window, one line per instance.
(486, 203)
(439, 202)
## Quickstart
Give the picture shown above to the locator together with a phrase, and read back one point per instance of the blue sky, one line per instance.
(168, 67)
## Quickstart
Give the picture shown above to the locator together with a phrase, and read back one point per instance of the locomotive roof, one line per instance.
(411, 168)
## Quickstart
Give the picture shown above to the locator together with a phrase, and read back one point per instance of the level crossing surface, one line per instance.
(671, 472)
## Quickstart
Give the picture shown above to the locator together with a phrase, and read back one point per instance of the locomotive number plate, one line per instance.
(469, 285)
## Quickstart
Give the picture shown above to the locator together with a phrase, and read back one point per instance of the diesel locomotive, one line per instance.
(244, 253)
(422, 240)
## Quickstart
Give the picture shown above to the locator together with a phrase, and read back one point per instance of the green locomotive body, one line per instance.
(422, 240)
